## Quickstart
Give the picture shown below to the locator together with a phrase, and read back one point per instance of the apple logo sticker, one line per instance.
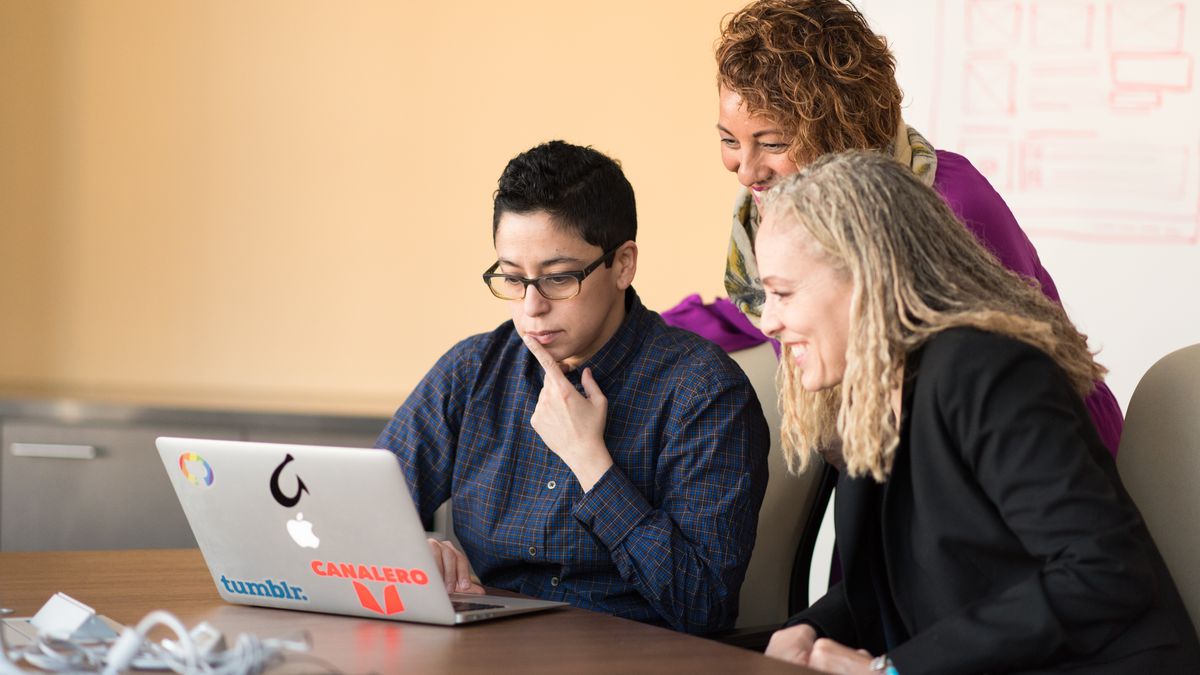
(301, 532)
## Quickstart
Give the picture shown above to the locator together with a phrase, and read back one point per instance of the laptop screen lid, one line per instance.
(315, 528)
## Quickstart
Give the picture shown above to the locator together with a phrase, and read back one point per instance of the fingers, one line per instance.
(793, 644)
(454, 568)
(435, 547)
(833, 657)
(450, 560)
(452, 564)
(464, 569)
(591, 388)
(552, 369)
(539, 352)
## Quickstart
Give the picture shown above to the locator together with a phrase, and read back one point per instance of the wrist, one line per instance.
(589, 471)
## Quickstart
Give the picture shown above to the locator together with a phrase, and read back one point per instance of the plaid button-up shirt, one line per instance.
(663, 537)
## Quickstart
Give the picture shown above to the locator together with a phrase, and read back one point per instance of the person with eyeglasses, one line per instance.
(593, 455)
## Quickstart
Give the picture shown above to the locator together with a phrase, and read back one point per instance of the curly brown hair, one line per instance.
(814, 68)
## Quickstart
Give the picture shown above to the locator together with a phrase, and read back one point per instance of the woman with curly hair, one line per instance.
(801, 78)
(982, 524)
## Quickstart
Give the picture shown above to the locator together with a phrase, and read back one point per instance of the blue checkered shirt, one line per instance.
(663, 537)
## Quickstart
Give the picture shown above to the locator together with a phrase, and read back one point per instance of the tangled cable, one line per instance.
(201, 651)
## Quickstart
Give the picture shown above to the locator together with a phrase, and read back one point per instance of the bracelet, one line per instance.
(883, 664)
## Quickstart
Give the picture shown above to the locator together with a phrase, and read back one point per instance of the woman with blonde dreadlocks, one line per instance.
(800, 78)
(982, 525)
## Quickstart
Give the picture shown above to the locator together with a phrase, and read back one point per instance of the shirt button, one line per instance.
(532, 550)
(553, 581)
(551, 485)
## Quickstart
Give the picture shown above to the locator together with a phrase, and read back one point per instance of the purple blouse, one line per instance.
(983, 211)
(985, 214)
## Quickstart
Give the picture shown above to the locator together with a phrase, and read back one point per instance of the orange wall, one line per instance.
(28, 55)
(291, 199)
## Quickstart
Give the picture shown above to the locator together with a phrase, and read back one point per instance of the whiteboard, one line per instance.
(1085, 116)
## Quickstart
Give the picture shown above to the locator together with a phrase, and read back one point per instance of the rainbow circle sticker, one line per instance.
(195, 479)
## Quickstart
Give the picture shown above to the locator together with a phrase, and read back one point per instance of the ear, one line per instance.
(625, 263)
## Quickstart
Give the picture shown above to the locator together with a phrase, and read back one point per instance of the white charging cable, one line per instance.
(133, 640)
(202, 651)
(7, 667)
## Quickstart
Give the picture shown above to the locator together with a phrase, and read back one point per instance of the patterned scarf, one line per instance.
(741, 271)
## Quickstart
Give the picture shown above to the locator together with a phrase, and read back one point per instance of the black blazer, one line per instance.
(1005, 538)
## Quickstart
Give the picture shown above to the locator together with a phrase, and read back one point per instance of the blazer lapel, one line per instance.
(851, 507)
(897, 509)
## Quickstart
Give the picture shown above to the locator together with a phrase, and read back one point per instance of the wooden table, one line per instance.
(125, 585)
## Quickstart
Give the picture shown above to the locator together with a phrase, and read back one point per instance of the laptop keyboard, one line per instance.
(465, 606)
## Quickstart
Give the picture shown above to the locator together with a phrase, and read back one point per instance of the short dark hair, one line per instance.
(583, 191)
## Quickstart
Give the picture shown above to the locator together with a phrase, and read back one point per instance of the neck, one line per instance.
(612, 322)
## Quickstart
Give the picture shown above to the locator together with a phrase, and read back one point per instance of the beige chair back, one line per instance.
(764, 598)
(1159, 462)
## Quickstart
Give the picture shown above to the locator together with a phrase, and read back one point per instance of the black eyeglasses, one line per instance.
(557, 286)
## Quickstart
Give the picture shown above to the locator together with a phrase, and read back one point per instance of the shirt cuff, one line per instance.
(612, 508)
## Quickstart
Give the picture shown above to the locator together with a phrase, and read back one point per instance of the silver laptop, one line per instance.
(318, 529)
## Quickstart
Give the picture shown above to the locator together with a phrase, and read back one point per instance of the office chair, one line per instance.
(1159, 462)
(776, 583)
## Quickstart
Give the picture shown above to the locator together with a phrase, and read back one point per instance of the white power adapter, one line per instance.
(66, 618)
